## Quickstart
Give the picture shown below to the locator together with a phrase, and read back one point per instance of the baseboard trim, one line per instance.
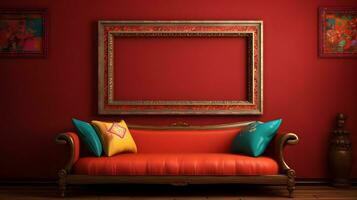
(319, 181)
(299, 181)
(28, 182)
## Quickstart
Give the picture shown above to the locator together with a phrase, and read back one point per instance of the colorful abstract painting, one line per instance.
(22, 33)
(338, 32)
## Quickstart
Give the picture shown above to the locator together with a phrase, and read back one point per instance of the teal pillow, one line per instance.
(89, 136)
(255, 138)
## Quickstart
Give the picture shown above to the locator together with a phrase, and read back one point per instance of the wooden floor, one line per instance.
(166, 192)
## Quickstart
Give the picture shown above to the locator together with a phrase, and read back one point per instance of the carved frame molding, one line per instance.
(108, 30)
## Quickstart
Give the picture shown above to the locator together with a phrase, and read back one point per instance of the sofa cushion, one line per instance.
(176, 164)
(184, 141)
(88, 136)
(255, 138)
(115, 137)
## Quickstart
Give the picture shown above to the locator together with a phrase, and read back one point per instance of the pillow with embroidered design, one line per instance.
(115, 137)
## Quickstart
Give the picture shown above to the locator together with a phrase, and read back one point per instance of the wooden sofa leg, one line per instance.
(291, 182)
(62, 182)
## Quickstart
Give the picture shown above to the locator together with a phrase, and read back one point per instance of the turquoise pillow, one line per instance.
(255, 138)
(89, 136)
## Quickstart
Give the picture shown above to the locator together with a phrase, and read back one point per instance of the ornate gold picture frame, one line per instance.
(252, 31)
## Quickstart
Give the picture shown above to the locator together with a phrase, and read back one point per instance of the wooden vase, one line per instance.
(340, 154)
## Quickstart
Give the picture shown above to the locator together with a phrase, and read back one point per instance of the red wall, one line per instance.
(40, 96)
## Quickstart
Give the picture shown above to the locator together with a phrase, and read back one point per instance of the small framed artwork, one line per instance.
(338, 32)
(23, 33)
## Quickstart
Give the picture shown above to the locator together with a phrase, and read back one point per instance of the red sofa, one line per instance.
(180, 155)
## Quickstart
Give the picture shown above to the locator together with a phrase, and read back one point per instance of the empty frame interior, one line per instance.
(180, 68)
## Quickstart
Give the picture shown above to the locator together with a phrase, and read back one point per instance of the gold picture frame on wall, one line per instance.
(252, 31)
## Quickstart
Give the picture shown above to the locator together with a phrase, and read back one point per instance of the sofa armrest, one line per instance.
(280, 141)
(71, 139)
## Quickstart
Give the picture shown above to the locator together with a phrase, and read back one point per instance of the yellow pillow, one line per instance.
(115, 137)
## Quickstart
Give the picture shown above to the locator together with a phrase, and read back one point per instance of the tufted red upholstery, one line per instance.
(176, 164)
(184, 141)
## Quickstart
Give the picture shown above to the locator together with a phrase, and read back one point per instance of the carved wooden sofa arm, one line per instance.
(72, 140)
(281, 140)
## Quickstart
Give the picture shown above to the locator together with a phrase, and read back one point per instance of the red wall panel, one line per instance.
(39, 96)
(171, 68)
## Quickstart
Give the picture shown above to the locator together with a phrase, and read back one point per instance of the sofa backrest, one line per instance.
(190, 139)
